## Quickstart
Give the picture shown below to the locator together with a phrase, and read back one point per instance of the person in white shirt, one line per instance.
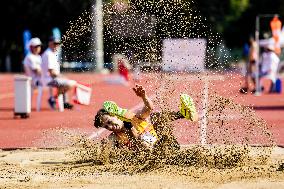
(250, 66)
(51, 73)
(270, 62)
(32, 62)
(269, 66)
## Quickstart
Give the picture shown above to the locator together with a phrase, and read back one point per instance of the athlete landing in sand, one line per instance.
(128, 127)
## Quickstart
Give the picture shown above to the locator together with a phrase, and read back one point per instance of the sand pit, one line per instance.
(56, 168)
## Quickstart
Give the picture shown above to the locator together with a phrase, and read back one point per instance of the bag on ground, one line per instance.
(82, 94)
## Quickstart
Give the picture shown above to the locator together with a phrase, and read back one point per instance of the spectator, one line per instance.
(269, 66)
(250, 65)
(52, 76)
(32, 62)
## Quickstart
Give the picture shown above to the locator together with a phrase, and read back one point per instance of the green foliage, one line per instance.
(237, 7)
(234, 20)
(222, 13)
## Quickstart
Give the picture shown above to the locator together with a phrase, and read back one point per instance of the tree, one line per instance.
(39, 17)
(221, 13)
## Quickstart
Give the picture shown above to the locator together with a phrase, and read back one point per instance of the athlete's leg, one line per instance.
(161, 122)
(160, 118)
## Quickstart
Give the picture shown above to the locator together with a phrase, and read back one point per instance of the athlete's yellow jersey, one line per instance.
(146, 131)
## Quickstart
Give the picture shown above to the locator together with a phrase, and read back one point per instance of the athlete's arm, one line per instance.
(148, 104)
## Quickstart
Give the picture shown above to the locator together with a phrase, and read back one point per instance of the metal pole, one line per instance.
(99, 41)
(257, 87)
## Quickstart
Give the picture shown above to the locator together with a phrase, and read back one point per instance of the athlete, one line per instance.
(129, 128)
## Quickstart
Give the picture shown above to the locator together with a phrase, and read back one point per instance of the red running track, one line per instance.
(40, 129)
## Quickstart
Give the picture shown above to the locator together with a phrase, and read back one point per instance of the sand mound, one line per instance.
(192, 167)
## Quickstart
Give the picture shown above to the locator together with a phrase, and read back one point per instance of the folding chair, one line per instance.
(40, 89)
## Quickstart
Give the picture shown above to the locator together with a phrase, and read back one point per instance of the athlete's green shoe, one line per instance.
(187, 107)
(113, 109)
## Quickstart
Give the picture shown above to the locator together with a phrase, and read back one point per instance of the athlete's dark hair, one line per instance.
(98, 118)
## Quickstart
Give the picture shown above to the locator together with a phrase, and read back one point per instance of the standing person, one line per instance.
(129, 127)
(32, 62)
(269, 65)
(252, 58)
(52, 76)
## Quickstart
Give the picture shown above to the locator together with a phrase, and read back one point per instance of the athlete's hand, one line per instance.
(139, 91)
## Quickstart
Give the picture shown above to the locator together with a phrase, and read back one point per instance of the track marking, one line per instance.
(10, 95)
(7, 95)
(194, 78)
(203, 122)
(230, 117)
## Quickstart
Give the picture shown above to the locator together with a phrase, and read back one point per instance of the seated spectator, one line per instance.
(32, 62)
(52, 76)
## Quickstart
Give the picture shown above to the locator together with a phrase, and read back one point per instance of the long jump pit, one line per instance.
(89, 164)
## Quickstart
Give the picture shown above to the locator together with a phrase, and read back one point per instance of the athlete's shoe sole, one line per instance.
(187, 107)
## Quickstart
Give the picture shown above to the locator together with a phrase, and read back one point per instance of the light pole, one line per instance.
(99, 42)
(257, 30)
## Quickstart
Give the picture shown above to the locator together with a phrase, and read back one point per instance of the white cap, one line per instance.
(34, 42)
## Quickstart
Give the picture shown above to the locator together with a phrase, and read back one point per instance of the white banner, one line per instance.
(184, 54)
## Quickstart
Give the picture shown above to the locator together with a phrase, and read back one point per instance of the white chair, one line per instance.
(39, 96)
(40, 89)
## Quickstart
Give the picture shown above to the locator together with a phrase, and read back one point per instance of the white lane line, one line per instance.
(194, 78)
(10, 95)
(7, 95)
(226, 117)
(203, 121)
